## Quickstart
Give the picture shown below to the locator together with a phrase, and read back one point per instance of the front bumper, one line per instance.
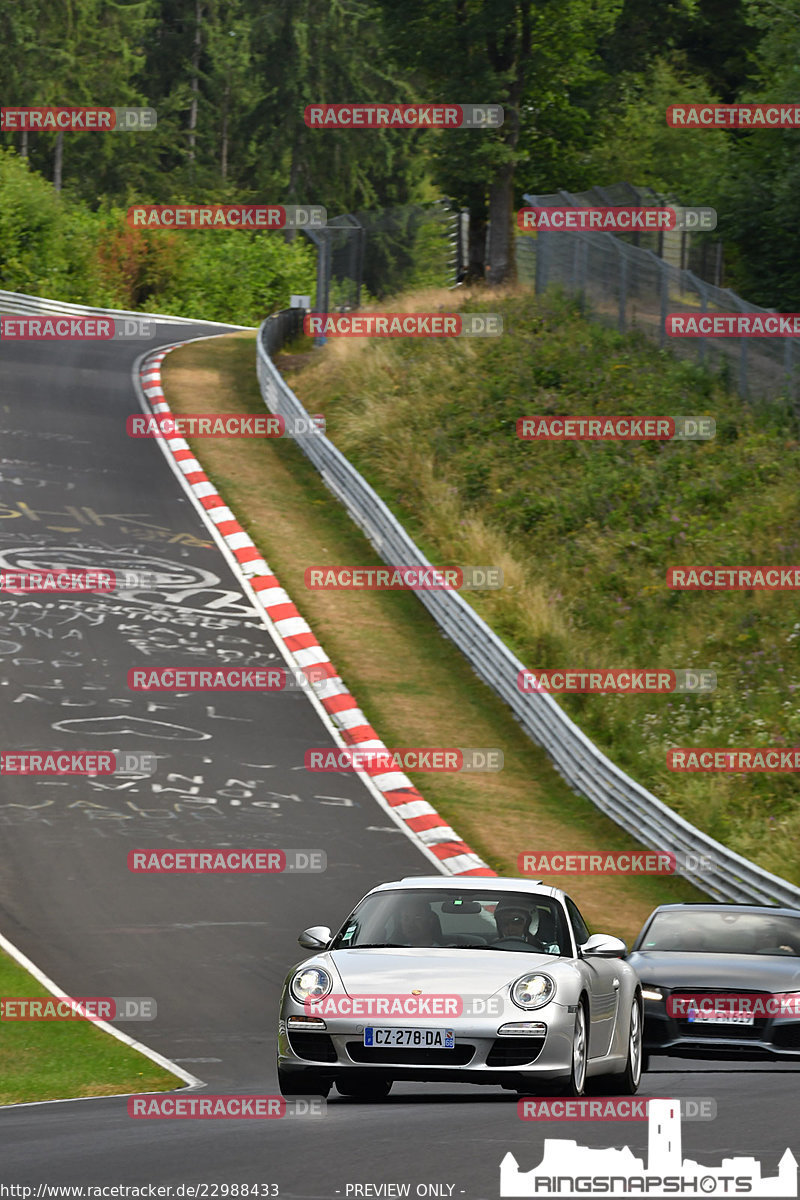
(480, 1055)
(767, 1038)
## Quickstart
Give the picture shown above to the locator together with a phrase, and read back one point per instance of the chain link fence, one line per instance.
(366, 255)
(636, 286)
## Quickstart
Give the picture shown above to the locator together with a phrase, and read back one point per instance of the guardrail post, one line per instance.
(664, 274)
(542, 260)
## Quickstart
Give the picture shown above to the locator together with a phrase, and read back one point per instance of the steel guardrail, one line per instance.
(20, 304)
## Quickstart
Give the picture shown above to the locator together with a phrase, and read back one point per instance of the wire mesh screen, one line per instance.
(631, 287)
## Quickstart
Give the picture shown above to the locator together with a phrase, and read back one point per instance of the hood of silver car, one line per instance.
(443, 971)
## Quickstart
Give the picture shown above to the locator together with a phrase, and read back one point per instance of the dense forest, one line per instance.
(584, 85)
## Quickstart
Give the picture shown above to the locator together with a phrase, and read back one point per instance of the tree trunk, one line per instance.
(195, 84)
(502, 266)
(476, 245)
(23, 149)
(58, 162)
(224, 156)
(513, 56)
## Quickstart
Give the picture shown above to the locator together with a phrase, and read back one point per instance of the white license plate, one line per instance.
(720, 1019)
(442, 1039)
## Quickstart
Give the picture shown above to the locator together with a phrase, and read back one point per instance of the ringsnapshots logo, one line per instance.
(57, 328)
(404, 116)
(392, 579)
(616, 429)
(39, 118)
(733, 325)
(376, 761)
(612, 862)
(227, 216)
(777, 760)
(627, 681)
(402, 325)
(224, 425)
(734, 579)
(227, 862)
(78, 1008)
(569, 1169)
(77, 762)
(733, 116)
(223, 1108)
(229, 679)
(618, 219)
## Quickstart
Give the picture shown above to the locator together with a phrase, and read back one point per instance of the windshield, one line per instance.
(724, 932)
(469, 920)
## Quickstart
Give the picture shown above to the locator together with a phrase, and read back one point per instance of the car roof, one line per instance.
(710, 906)
(491, 883)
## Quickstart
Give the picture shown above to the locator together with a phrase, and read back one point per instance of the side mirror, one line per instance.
(603, 945)
(315, 938)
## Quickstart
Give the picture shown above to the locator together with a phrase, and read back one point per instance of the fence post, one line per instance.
(623, 285)
(542, 251)
(788, 366)
(323, 278)
(663, 270)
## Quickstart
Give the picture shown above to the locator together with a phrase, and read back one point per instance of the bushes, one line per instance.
(55, 247)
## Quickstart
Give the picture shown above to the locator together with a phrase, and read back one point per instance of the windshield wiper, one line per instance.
(375, 946)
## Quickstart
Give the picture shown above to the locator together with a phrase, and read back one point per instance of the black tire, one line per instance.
(645, 1061)
(360, 1087)
(302, 1083)
(627, 1083)
(575, 1085)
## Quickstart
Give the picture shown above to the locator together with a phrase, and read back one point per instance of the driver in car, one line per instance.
(417, 925)
(518, 921)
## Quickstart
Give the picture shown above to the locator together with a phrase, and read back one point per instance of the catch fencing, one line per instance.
(632, 287)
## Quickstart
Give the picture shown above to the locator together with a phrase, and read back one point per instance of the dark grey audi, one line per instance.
(720, 981)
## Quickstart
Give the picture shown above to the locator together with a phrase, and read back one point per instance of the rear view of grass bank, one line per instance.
(585, 532)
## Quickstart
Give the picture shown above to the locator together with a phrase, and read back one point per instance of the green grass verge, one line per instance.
(52, 1060)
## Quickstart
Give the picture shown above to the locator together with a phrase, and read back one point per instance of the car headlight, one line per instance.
(310, 983)
(651, 993)
(532, 991)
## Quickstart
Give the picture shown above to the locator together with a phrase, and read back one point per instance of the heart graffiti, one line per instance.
(126, 726)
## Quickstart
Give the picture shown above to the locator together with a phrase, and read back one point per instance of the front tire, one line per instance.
(302, 1083)
(627, 1084)
(576, 1083)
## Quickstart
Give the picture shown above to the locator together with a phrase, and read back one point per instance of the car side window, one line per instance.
(579, 926)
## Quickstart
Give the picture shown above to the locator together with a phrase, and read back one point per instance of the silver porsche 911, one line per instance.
(469, 980)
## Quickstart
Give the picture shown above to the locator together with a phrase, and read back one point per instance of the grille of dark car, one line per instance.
(316, 1047)
(514, 1052)
(416, 1056)
(729, 1033)
(786, 1037)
